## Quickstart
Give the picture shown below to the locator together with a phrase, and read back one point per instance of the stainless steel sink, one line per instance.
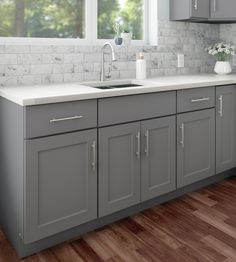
(116, 86)
(112, 85)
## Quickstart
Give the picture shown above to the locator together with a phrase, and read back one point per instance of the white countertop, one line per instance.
(44, 94)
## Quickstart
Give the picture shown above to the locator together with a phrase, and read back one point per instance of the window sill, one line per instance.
(59, 41)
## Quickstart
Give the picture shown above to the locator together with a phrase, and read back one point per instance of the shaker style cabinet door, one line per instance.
(119, 167)
(60, 183)
(195, 146)
(225, 128)
(223, 9)
(158, 169)
(200, 8)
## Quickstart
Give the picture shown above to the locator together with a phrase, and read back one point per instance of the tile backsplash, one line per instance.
(29, 65)
(228, 34)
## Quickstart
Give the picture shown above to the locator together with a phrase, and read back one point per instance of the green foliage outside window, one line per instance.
(66, 18)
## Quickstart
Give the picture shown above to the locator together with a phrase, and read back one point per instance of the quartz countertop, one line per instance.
(54, 93)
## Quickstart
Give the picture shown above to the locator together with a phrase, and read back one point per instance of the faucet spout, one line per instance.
(113, 56)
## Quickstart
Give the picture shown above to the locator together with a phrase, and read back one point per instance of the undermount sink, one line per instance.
(112, 85)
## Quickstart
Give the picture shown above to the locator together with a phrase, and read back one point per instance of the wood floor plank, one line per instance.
(65, 251)
(221, 225)
(229, 252)
(200, 226)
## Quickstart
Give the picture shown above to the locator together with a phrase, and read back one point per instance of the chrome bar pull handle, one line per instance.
(214, 4)
(138, 145)
(147, 143)
(182, 135)
(195, 4)
(203, 99)
(220, 105)
(94, 155)
(55, 120)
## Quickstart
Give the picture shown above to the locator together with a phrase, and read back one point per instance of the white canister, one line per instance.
(223, 68)
(127, 37)
(141, 67)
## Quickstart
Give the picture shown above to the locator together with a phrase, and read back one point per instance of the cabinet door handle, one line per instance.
(203, 99)
(195, 4)
(55, 120)
(147, 143)
(220, 105)
(138, 145)
(182, 135)
(94, 155)
(214, 4)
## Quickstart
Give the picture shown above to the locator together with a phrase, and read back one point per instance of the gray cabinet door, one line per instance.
(119, 167)
(158, 169)
(225, 128)
(223, 9)
(200, 8)
(195, 147)
(60, 183)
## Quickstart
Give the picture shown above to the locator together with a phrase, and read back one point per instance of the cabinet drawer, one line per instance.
(195, 99)
(131, 108)
(57, 118)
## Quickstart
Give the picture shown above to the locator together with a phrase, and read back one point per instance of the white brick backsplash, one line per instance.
(76, 77)
(17, 49)
(2, 49)
(8, 59)
(29, 59)
(8, 81)
(2, 70)
(26, 65)
(73, 58)
(17, 70)
(92, 57)
(29, 80)
(41, 69)
(52, 59)
(52, 78)
(43, 49)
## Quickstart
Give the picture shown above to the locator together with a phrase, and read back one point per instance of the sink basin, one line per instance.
(113, 85)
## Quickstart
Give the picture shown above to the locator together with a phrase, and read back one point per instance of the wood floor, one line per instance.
(200, 226)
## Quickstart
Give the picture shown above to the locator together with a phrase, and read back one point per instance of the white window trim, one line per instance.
(150, 30)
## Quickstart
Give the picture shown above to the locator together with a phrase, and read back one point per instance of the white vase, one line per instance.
(223, 67)
(127, 37)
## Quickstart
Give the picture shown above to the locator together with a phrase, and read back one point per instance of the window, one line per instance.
(89, 20)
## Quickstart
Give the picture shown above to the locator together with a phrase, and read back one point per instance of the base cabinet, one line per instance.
(196, 146)
(119, 167)
(60, 183)
(225, 128)
(158, 162)
(136, 163)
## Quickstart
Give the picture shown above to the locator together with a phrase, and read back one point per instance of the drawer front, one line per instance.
(58, 118)
(195, 99)
(131, 108)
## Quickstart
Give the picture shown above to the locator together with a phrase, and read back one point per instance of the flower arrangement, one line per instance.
(117, 28)
(221, 51)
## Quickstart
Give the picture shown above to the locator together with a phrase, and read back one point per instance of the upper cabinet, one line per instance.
(223, 9)
(203, 10)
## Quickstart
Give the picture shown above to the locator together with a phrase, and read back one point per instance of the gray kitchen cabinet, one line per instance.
(223, 9)
(158, 162)
(225, 128)
(60, 183)
(195, 147)
(189, 9)
(119, 167)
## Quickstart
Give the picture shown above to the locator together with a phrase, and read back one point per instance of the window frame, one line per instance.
(91, 30)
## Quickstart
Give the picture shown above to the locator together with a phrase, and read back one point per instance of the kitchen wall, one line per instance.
(228, 34)
(27, 65)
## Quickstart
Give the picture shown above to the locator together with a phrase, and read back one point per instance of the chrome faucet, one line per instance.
(112, 55)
